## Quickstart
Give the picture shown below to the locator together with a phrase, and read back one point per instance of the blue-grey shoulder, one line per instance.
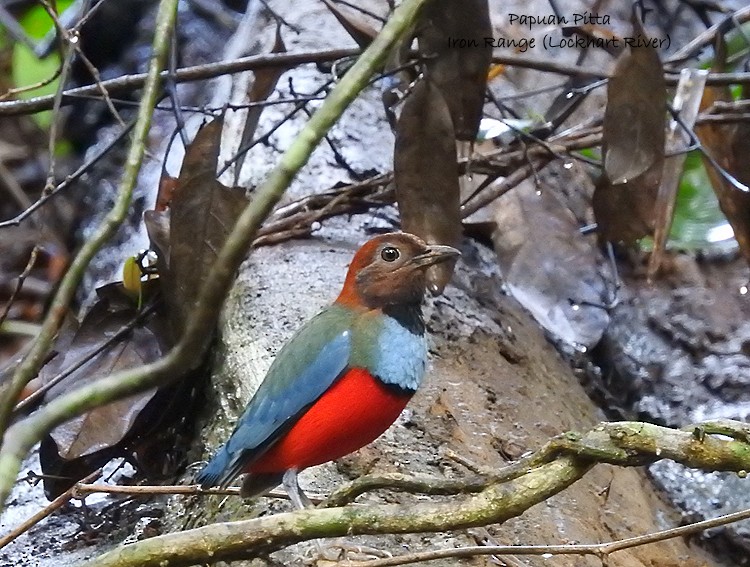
(400, 356)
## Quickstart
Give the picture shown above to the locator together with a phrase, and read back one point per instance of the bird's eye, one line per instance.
(390, 254)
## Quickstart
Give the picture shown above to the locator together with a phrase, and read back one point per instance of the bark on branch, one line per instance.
(503, 495)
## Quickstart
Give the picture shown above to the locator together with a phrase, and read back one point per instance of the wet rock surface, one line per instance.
(676, 353)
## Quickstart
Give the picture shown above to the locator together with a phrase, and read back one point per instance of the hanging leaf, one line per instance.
(202, 213)
(459, 74)
(550, 267)
(262, 86)
(729, 145)
(632, 144)
(359, 30)
(426, 174)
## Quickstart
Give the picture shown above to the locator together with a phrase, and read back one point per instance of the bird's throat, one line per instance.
(409, 316)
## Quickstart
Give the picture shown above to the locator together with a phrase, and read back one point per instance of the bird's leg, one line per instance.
(300, 501)
(334, 551)
(291, 485)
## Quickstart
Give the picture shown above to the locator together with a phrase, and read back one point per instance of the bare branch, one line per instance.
(19, 284)
(128, 83)
(56, 504)
(189, 350)
(249, 538)
(510, 491)
(600, 550)
(59, 306)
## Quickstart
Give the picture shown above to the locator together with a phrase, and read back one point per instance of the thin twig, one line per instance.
(71, 40)
(56, 504)
(128, 83)
(708, 36)
(12, 93)
(67, 61)
(121, 332)
(263, 138)
(82, 489)
(68, 181)
(13, 187)
(600, 550)
(208, 110)
(61, 301)
(19, 284)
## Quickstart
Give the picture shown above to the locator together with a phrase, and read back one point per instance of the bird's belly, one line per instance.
(353, 413)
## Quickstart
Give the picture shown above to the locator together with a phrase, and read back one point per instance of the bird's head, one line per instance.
(390, 270)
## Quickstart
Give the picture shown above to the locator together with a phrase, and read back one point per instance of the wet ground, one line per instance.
(674, 353)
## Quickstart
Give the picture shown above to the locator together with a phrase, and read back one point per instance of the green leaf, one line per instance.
(697, 213)
(27, 69)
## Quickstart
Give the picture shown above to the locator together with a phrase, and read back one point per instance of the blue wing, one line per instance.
(303, 370)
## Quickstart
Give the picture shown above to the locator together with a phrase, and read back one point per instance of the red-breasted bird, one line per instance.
(343, 378)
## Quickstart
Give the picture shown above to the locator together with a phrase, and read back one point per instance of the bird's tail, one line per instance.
(216, 472)
(221, 471)
(257, 484)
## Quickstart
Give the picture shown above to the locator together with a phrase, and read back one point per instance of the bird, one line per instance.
(342, 379)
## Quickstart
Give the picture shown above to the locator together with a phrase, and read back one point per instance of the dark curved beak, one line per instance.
(435, 254)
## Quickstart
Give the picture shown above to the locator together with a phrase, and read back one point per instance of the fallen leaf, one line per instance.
(554, 271)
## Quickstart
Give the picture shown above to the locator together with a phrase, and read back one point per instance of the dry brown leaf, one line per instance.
(686, 102)
(359, 30)
(86, 442)
(632, 145)
(460, 74)
(729, 145)
(262, 86)
(426, 174)
(202, 213)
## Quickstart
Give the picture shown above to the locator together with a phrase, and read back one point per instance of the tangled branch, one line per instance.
(495, 499)
(188, 351)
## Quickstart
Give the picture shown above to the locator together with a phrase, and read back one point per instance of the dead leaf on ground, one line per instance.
(632, 145)
(729, 145)
(550, 267)
(94, 433)
(459, 74)
(426, 174)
